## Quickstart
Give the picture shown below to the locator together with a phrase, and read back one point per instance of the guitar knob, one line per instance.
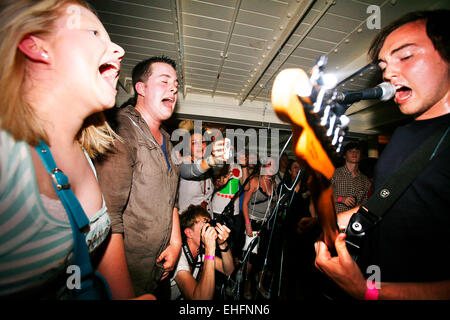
(356, 226)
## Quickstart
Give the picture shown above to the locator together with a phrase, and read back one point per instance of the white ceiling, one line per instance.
(229, 51)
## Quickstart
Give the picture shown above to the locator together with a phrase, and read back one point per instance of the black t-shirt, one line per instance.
(412, 241)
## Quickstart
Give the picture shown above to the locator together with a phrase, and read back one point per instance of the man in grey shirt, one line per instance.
(139, 179)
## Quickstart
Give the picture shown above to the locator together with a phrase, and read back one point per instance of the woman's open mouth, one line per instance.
(110, 72)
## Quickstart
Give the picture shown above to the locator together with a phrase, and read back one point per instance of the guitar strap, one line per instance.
(385, 196)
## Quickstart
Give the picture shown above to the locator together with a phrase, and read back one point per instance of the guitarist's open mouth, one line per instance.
(403, 94)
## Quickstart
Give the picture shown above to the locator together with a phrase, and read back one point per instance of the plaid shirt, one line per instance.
(347, 186)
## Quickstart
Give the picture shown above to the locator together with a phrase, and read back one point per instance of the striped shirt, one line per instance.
(36, 240)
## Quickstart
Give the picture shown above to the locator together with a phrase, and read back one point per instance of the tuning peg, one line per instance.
(331, 125)
(326, 115)
(322, 62)
(344, 120)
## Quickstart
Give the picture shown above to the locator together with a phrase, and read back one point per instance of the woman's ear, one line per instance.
(139, 87)
(32, 47)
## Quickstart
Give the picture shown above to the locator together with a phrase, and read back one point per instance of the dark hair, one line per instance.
(436, 23)
(142, 70)
(188, 217)
(350, 146)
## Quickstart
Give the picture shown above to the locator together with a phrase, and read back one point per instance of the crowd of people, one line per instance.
(158, 228)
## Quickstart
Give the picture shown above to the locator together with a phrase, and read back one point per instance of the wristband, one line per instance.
(247, 221)
(371, 292)
(340, 199)
(224, 250)
(209, 257)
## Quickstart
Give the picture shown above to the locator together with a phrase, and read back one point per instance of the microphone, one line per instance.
(384, 91)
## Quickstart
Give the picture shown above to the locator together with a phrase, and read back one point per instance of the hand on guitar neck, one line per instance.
(317, 135)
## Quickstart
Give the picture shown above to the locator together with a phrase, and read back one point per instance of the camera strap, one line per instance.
(193, 264)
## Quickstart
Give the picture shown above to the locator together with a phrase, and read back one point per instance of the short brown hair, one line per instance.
(143, 69)
(189, 216)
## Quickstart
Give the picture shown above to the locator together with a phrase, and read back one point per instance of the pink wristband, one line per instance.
(371, 292)
(210, 257)
(340, 199)
(247, 221)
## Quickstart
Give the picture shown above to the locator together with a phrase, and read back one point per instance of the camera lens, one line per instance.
(212, 222)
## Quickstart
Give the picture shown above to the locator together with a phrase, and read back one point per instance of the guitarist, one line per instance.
(407, 248)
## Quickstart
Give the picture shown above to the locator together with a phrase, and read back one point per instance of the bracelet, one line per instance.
(224, 250)
(371, 292)
(209, 257)
(340, 199)
(247, 221)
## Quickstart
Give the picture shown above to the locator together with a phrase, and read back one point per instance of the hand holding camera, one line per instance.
(223, 232)
(208, 237)
(212, 232)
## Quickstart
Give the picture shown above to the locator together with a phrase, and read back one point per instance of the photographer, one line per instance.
(194, 275)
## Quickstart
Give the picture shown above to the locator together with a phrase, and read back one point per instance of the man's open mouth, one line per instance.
(402, 94)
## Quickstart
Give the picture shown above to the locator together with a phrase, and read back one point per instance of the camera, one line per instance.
(223, 219)
(213, 223)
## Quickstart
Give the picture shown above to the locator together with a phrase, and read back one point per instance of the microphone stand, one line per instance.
(282, 200)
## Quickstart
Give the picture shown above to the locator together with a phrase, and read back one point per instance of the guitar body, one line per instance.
(294, 109)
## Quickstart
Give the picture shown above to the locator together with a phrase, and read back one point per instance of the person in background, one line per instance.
(350, 186)
(257, 206)
(196, 163)
(139, 178)
(197, 188)
(282, 168)
(40, 47)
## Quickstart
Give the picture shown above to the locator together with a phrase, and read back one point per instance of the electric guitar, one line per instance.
(318, 129)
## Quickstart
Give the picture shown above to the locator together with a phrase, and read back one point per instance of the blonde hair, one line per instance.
(19, 18)
(186, 124)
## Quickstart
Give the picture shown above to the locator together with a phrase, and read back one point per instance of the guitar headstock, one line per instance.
(319, 125)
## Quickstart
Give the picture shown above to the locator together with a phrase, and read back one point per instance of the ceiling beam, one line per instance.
(177, 19)
(281, 62)
(295, 13)
(224, 53)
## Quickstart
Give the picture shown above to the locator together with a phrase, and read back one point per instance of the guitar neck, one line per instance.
(317, 135)
(323, 201)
